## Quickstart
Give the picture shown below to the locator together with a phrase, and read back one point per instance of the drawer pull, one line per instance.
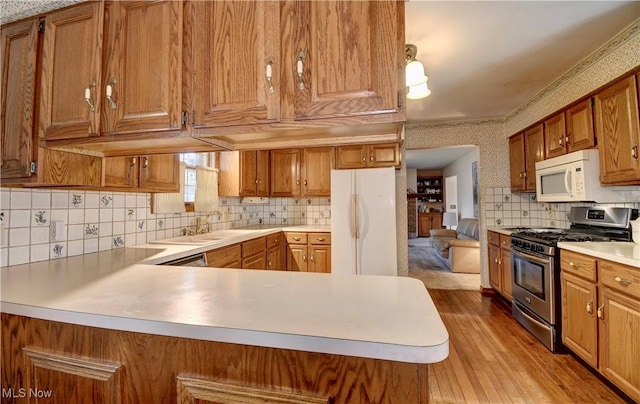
(321, 239)
(296, 238)
(573, 264)
(623, 282)
(601, 312)
(590, 307)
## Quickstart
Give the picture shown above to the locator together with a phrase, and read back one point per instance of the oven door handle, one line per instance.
(530, 257)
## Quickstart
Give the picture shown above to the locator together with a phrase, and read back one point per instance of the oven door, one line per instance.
(533, 282)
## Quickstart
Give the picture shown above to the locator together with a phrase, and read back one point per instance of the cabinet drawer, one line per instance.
(505, 241)
(580, 265)
(320, 238)
(226, 257)
(493, 238)
(296, 238)
(253, 247)
(274, 240)
(620, 277)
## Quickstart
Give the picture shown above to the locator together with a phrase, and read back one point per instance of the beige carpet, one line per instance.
(423, 265)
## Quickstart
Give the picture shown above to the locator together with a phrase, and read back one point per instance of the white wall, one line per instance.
(412, 179)
(462, 169)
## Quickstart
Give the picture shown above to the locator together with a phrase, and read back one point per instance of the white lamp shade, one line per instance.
(419, 91)
(414, 73)
(450, 219)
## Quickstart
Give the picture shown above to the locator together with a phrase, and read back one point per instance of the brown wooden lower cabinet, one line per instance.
(226, 257)
(309, 252)
(500, 270)
(83, 364)
(601, 317)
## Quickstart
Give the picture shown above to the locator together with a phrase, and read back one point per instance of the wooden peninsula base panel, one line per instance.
(72, 363)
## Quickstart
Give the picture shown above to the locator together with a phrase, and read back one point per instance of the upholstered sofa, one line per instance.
(458, 249)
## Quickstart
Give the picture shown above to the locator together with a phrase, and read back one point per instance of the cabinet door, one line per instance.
(71, 69)
(143, 66)
(297, 257)
(516, 162)
(353, 156)
(19, 49)
(160, 172)
(579, 322)
(320, 259)
(262, 172)
(436, 221)
(507, 273)
(580, 126)
(619, 343)
(248, 170)
(121, 172)
(384, 155)
(495, 278)
(424, 224)
(316, 171)
(274, 259)
(285, 172)
(234, 43)
(554, 136)
(616, 116)
(534, 152)
(351, 54)
(255, 262)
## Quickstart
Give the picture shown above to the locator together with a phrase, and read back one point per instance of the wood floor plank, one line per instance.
(493, 359)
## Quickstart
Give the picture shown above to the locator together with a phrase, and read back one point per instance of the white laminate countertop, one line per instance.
(391, 318)
(502, 230)
(627, 253)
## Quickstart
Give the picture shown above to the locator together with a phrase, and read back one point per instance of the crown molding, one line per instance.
(454, 123)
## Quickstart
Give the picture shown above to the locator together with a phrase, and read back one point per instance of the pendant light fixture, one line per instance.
(415, 78)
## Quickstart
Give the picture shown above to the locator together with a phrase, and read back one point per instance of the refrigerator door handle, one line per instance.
(357, 221)
(352, 216)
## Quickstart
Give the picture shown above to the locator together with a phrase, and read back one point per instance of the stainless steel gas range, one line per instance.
(535, 260)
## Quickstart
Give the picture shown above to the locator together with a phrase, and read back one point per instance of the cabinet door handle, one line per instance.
(601, 312)
(313, 258)
(304, 258)
(87, 95)
(590, 307)
(145, 163)
(297, 183)
(269, 74)
(364, 160)
(560, 141)
(634, 152)
(300, 68)
(305, 183)
(109, 93)
(269, 264)
(623, 282)
(134, 161)
(566, 138)
(371, 158)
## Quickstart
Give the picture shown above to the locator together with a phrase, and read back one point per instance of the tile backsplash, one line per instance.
(506, 209)
(96, 221)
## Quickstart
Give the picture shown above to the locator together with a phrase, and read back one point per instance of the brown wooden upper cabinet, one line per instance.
(236, 60)
(19, 49)
(368, 156)
(525, 149)
(134, 86)
(616, 117)
(302, 172)
(159, 173)
(517, 167)
(244, 173)
(570, 130)
(267, 62)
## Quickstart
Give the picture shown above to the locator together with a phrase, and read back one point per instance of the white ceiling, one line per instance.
(431, 159)
(486, 58)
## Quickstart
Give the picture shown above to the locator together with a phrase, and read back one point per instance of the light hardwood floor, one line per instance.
(493, 359)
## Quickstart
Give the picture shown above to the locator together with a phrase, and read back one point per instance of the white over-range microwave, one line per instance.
(575, 177)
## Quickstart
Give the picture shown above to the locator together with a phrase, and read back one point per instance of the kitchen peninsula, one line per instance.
(113, 326)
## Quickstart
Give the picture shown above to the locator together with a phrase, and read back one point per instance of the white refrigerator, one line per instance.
(363, 222)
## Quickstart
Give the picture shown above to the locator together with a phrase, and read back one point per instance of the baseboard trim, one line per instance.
(487, 291)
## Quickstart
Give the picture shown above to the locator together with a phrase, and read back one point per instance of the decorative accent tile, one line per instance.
(58, 250)
(131, 213)
(76, 201)
(91, 230)
(118, 241)
(106, 201)
(141, 225)
(40, 218)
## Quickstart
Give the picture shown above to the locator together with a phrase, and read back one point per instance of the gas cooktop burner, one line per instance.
(555, 235)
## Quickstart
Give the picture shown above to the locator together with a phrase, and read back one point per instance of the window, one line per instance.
(191, 160)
